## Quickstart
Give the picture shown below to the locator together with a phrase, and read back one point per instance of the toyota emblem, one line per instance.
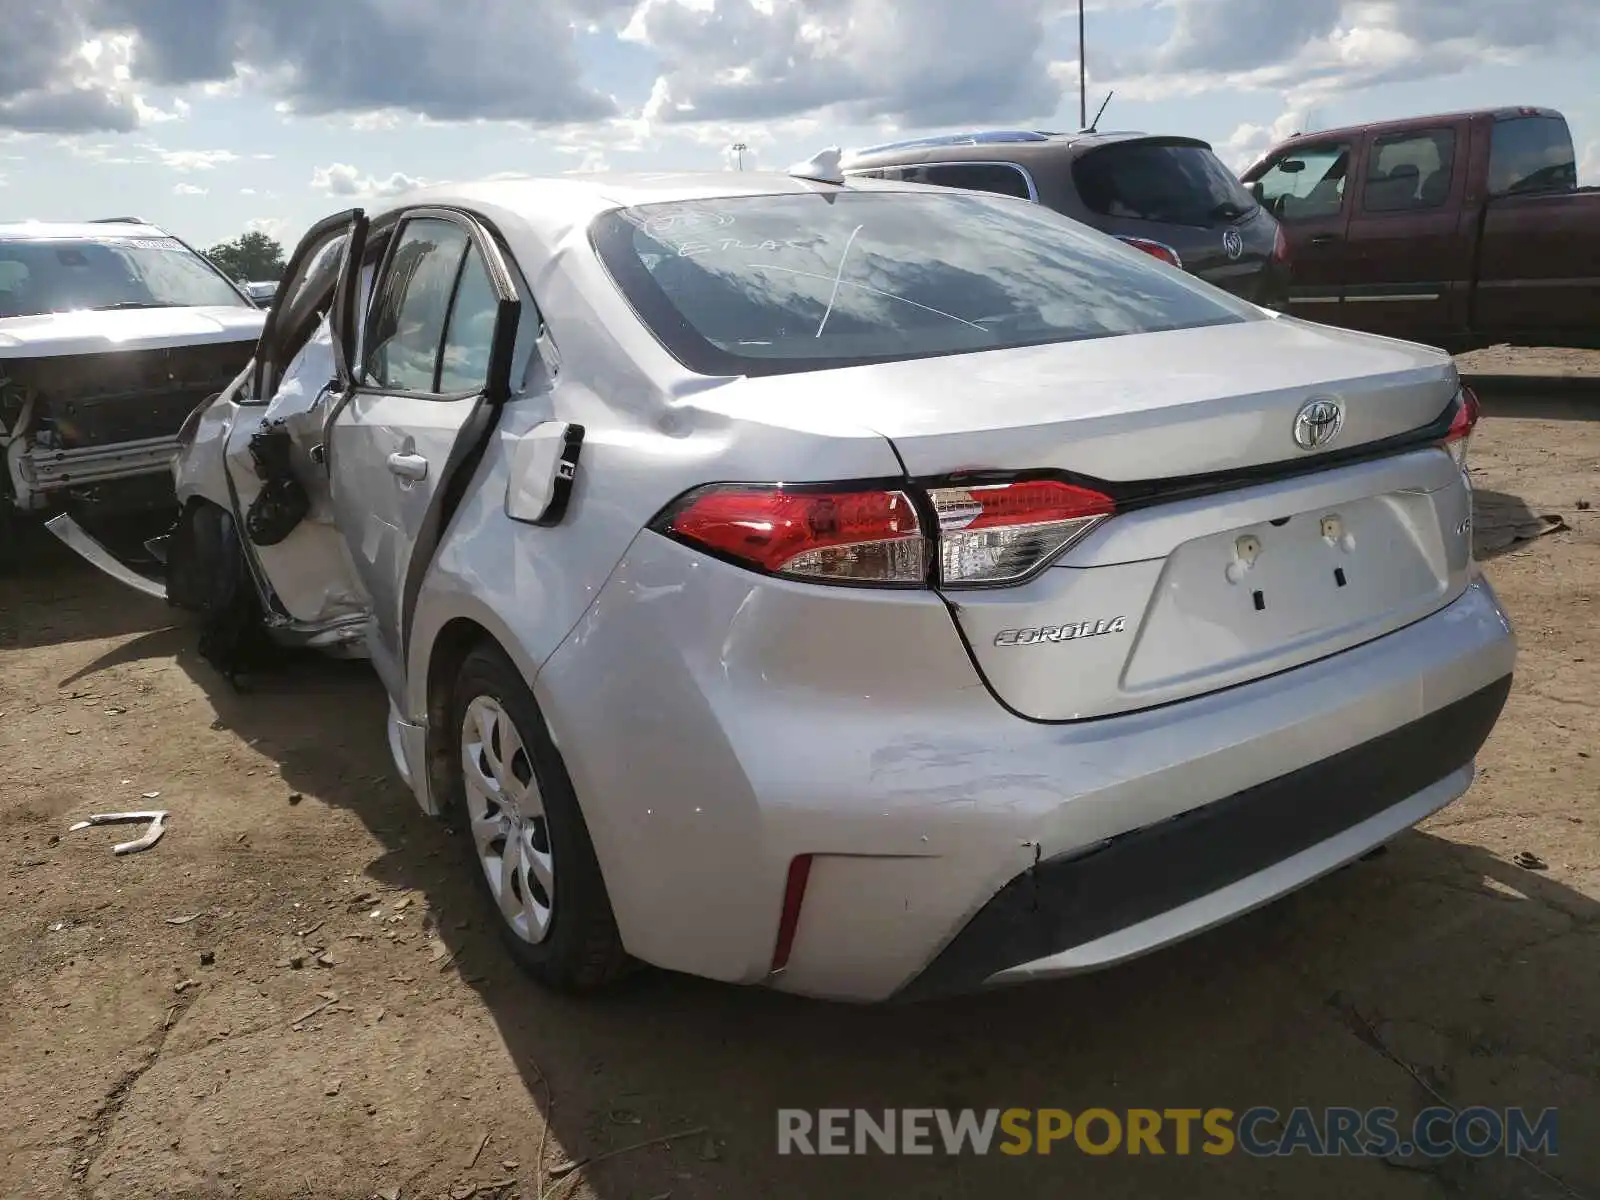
(1233, 244)
(1317, 423)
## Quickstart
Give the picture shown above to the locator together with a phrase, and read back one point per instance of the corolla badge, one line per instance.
(1061, 633)
(1232, 244)
(1317, 423)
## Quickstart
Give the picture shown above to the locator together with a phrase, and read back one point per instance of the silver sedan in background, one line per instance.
(863, 589)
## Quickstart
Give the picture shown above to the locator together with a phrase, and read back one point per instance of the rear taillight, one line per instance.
(987, 534)
(1461, 426)
(1003, 533)
(1154, 249)
(836, 536)
(1280, 249)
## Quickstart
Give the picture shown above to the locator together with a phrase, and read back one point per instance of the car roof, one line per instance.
(85, 230)
(1409, 124)
(551, 207)
(1016, 145)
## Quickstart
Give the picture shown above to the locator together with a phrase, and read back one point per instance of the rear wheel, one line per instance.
(536, 862)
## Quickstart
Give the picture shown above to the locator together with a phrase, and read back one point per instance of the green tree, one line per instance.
(249, 257)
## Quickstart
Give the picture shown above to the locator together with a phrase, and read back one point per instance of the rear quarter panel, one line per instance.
(646, 441)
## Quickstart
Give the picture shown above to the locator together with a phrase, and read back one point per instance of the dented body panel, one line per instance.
(111, 334)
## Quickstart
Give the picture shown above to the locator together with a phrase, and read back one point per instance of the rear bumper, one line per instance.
(1158, 884)
(783, 719)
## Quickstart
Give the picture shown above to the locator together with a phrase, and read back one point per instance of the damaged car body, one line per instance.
(111, 334)
(812, 584)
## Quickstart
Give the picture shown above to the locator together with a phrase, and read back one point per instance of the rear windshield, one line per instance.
(773, 284)
(1152, 181)
(46, 275)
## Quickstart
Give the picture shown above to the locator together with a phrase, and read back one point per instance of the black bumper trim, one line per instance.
(1070, 901)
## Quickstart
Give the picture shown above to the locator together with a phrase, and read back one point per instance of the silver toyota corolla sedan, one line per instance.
(862, 589)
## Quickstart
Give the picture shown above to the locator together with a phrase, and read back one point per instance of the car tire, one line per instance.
(550, 903)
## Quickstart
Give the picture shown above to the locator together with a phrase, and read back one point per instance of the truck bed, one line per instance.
(1538, 270)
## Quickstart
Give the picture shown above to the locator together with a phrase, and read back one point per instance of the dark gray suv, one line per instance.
(1169, 196)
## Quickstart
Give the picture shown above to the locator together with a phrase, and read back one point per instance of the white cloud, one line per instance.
(194, 160)
(590, 158)
(1249, 142)
(856, 60)
(275, 228)
(341, 179)
(381, 120)
(1589, 168)
(730, 70)
(189, 189)
(1311, 51)
(76, 65)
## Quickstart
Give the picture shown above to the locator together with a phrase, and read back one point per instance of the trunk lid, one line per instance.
(1139, 407)
(1268, 564)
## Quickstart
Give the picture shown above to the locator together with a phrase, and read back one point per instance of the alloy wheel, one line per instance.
(506, 816)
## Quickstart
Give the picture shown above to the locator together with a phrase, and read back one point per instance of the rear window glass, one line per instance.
(772, 284)
(1150, 181)
(1532, 154)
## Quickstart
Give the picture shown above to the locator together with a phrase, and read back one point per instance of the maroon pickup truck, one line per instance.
(1462, 231)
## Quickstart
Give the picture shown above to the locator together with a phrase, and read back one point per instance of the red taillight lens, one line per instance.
(1155, 250)
(1003, 533)
(850, 537)
(1462, 425)
(988, 534)
(1280, 249)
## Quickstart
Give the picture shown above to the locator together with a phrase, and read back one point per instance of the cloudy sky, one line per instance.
(214, 116)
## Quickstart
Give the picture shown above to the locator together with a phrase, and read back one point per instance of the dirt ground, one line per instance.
(298, 994)
(1553, 362)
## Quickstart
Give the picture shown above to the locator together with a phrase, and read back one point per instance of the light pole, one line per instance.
(739, 148)
(1083, 77)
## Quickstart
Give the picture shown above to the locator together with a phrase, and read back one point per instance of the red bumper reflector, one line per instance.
(794, 895)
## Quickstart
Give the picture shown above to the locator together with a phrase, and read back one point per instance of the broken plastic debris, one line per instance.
(151, 836)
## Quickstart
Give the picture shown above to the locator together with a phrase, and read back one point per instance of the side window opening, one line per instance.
(1410, 172)
(1306, 184)
(469, 336)
(1532, 154)
(1003, 179)
(406, 329)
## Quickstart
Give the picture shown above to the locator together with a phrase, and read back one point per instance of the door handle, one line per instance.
(1325, 239)
(408, 466)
